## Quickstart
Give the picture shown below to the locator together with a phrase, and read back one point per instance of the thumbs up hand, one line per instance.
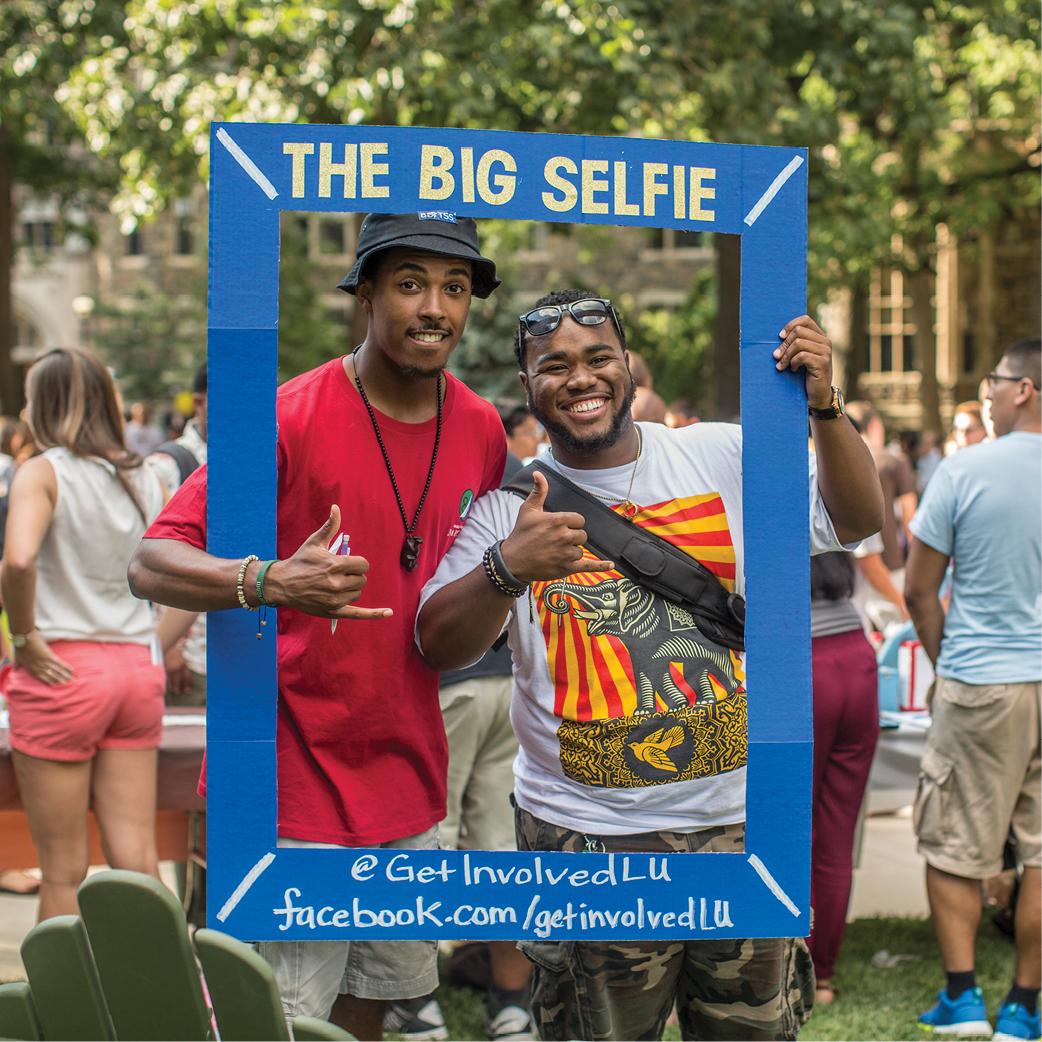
(547, 545)
(316, 582)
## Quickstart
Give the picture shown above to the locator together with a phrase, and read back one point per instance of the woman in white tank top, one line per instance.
(85, 696)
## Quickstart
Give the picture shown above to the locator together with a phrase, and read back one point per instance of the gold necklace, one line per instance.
(629, 508)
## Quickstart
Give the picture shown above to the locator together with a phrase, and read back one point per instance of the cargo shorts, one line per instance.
(980, 776)
(723, 989)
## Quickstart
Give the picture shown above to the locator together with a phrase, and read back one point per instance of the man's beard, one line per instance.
(414, 372)
(595, 443)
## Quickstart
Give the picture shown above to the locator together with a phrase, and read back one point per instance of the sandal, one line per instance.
(824, 993)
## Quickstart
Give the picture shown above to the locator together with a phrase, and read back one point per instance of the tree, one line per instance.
(154, 341)
(307, 337)
(915, 112)
(41, 149)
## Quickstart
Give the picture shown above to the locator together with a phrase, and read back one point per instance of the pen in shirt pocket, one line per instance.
(340, 547)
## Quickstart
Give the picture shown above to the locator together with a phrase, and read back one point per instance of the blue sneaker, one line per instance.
(1015, 1022)
(966, 1015)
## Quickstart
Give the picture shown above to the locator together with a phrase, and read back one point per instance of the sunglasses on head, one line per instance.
(590, 311)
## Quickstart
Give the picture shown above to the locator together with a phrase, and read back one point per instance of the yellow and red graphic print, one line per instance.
(609, 642)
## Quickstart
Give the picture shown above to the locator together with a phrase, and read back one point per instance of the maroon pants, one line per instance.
(846, 728)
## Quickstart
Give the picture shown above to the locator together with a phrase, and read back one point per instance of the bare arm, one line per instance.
(174, 623)
(313, 580)
(847, 475)
(461, 621)
(876, 572)
(33, 496)
(31, 503)
(906, 504)
(924, 575)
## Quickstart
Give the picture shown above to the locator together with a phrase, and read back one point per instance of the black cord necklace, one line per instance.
(411, 546)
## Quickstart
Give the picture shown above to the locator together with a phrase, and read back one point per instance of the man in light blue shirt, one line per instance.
(982, 766)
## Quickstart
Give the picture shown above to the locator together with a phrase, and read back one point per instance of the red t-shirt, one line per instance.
(362, 756)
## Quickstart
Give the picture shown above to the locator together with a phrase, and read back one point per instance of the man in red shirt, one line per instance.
(387, 448)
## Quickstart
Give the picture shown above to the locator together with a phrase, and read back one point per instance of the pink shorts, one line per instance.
(114, 701)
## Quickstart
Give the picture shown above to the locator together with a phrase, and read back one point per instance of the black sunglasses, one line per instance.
(992, 377)
(590, 311)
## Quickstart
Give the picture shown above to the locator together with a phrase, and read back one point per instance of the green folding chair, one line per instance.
(18, 1017)
(242, 989)
(64, 980)
(311, 1029)
(145, 960)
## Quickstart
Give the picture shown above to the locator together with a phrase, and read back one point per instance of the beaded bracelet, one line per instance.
(499, 575)
(239, 591)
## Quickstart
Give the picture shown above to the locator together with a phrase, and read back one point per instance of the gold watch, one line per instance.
(834, 410)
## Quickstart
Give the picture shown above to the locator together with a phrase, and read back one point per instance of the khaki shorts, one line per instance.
(310, 974)
(482, 747)
(980, 775)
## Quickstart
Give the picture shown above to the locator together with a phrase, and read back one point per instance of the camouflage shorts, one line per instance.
(726, 989)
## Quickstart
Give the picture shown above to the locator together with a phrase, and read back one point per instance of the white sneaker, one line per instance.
(510, 1024)
(416, 1019)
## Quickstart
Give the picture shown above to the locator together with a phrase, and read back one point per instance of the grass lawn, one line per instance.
(875, 1000)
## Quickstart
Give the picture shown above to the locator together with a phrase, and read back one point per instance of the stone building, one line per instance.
(984, 293)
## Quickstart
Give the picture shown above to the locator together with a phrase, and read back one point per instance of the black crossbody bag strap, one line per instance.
(644, 558)
(185, 459)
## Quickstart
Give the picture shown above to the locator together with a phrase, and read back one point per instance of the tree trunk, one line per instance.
(857, 341)
(726, 360)
(920, 288)
(11, 391)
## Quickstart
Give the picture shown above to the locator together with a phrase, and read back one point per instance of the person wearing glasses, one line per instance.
(607, 757)
(981, 773)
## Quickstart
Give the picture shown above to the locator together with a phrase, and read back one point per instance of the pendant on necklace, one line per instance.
(410, 552)
(629, 509)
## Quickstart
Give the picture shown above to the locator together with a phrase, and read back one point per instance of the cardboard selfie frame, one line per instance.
(260, 892)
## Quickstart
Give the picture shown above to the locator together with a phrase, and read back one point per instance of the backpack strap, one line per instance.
(184, 458)
(645, 558)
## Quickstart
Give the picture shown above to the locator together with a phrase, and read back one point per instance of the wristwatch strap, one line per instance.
(832, 411)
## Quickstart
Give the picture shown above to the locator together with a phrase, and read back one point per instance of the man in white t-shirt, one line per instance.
(608, 728)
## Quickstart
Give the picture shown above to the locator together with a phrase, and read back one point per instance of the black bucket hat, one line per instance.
(433, 231)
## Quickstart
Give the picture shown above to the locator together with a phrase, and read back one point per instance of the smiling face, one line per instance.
(417, 305)
(579, 388)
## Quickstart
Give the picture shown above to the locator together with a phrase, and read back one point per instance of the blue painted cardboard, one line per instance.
(260, 892)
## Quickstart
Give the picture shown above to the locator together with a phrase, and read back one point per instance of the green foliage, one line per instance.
(677, 344)
(915, 112)
(484, 358)
(40, 145)
(41, 42)
(152, 340)
(308, 336)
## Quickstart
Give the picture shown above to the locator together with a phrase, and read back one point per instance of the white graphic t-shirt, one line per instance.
(629, 718)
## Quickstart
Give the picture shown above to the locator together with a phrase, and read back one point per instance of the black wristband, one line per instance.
(501, 567)
(499, 575)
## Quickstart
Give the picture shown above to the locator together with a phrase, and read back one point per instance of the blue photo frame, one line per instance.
(257, 891)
